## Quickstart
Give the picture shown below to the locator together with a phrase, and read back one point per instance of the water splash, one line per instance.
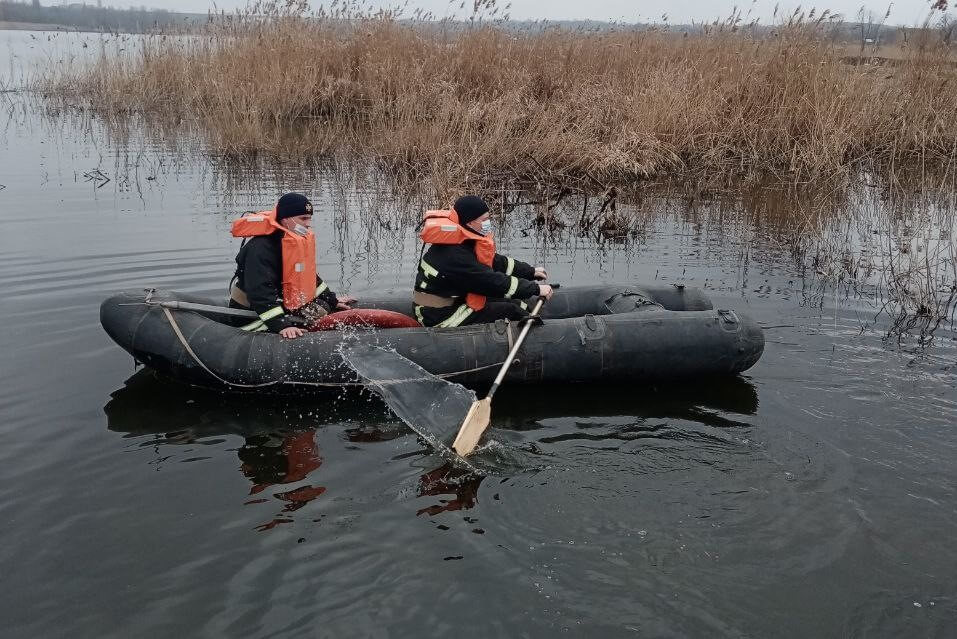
(431, 406)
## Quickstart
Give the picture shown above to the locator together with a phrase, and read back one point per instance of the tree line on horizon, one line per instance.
(868, 29)
(95, 17)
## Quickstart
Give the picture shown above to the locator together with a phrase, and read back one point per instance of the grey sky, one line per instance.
(906, 12)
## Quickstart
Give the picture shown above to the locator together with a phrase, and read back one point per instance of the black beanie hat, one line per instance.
(293, 204)
(469, 207)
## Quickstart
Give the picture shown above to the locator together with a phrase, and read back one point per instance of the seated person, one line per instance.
(276, 270)
(461, 279)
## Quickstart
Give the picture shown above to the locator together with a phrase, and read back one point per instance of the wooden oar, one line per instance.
(477, 419)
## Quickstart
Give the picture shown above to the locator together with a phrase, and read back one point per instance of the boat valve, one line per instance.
(729, 320)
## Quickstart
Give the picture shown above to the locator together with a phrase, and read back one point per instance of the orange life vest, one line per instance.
(298, 256)
(442, 227)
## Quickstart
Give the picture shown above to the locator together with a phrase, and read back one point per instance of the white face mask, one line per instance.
(299, 229)
(486, 227)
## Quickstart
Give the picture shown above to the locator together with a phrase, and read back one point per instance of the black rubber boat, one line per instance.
(606, 333)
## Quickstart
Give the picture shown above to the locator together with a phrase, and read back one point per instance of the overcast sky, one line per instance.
(905, 12)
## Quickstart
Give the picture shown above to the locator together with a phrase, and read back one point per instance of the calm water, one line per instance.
(814, 496)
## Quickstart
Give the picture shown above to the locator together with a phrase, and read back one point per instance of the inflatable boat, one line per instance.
(604, 333)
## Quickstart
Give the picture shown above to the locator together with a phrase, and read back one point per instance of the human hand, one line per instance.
(342, 306)
(541, 273)
(292, 332)
(544, 290)
(347, 299)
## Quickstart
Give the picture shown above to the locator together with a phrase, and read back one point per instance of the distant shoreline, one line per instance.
(40, 26)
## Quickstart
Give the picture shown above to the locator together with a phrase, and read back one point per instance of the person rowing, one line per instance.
(276, 273)
(462, 280)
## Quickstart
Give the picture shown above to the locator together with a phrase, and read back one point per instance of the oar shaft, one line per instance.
(511, 354)
(206, 308)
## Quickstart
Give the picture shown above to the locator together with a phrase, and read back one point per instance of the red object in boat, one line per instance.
(364, 318)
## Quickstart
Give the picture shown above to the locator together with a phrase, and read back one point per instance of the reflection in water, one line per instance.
(272, 459)
(148, 405)
(462, 484)
(274, 453)
(530, 424)
(278, 450)
(694, 400)
(620, 416)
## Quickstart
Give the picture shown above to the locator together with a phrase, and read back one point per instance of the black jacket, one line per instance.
(459, 272)
(259, 275)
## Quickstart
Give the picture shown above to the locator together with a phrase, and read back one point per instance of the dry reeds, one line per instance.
(464, 103)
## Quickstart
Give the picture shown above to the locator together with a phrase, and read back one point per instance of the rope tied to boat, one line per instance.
(189, 350)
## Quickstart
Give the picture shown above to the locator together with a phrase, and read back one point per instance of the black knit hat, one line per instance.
(469, 207)
(293, 204)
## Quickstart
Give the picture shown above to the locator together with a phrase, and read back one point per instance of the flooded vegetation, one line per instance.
(810, 496)
(477, 103)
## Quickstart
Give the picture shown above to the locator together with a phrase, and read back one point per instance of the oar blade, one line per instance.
(473, 427)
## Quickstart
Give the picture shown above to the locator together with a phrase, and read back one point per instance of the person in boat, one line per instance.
(276, 270)
(462, 280)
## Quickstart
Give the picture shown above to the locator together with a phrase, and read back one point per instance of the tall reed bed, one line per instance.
(466, 103)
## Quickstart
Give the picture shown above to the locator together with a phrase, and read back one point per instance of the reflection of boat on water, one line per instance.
(182, 414)
(609, 333)
(279, 456)
(147, 404)
(280, 451)
(713, 401)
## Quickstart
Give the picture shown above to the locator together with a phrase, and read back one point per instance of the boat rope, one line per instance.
(185, 343)
(182, 340)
